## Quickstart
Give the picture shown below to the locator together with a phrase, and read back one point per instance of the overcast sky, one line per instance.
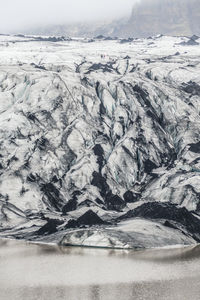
(18, 14)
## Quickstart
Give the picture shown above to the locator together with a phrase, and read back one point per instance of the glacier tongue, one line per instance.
(93, 134)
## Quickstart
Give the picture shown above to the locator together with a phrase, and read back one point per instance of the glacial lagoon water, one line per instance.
(42, 272)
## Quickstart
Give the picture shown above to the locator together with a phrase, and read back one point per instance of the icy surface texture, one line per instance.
(97, 134)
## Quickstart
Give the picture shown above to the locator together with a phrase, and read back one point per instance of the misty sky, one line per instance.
(20, 14)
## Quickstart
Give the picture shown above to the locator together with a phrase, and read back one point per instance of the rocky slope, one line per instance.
(100, 141)
(171, 17)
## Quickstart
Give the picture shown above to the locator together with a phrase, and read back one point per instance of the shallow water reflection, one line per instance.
(29, 271)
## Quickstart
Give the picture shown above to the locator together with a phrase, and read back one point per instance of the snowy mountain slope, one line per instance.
(81, 29)
(97, 133)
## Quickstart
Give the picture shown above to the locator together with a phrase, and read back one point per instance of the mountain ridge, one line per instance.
(148, 18)
(168, 17)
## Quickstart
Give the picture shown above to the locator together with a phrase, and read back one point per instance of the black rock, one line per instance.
(98, 201)
(131, 197)
(38, 66)
(170, 212)
(31, 117)
(124, 41)
(72, 224)
(32, 178)
(55, 179)
(42, 143)
(100, 182)
(72, 203)
(127, 57)
(170, 225)
(149, 166)
(89, 218)
(70, 206)
(191, 88)
(86, 203)
(75, 194)
(52, 39)
(194, 37)
(109, 38)
(53, 195)
(114, 202)
(195, 147)
(99, 152)
(190, 42)
(103, 67)
(50, 227)
(100, 37)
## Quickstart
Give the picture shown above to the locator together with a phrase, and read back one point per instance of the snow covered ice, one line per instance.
(100, 139)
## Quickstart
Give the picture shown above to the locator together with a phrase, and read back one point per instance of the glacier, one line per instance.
(100, 141)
